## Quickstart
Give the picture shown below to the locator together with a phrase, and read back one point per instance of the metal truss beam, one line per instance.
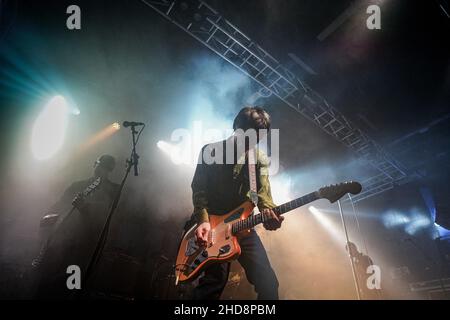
(206, 25)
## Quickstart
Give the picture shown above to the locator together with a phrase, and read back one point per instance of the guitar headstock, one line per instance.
(336, 191)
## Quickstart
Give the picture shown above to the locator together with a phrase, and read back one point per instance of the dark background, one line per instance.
(128, 63)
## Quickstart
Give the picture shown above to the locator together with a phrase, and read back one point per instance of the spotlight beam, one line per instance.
(49, 129)
(101, 135)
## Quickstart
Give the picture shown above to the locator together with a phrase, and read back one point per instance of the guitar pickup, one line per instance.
(224, 249)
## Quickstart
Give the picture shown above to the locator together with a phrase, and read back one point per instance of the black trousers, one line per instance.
(257, 268)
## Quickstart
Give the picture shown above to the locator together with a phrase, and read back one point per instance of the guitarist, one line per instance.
(220, 187)
(72, 239)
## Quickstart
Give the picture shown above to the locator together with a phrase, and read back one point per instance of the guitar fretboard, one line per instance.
(92, 187)
(256, 219)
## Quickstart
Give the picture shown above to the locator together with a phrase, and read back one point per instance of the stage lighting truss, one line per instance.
(205, 24)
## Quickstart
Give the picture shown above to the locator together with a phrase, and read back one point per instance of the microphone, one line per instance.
(127, 124)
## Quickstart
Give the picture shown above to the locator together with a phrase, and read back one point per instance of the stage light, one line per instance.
(49, 129)
(325, 221)
(419, 221)
(174, 152)
(280, 186)
(418, 224)
(441, 231)
(411, 222)
(101, 135)
(393, 218)
(76, 111)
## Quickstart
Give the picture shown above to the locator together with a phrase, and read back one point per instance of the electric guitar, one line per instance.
(223, 245)
(78, 197)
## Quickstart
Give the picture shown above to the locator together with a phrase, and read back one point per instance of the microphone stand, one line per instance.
(134, 158)
(131, 162)
(350, 255)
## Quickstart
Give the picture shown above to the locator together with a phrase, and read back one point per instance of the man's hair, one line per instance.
(252, 118)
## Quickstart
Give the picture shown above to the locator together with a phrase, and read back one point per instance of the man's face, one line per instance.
(261, 134)
(250, 137)
(244, 134)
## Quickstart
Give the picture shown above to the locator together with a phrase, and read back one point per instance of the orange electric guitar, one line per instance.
(226, 229)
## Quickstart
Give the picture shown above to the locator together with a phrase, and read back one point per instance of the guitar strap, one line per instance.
(252, 176)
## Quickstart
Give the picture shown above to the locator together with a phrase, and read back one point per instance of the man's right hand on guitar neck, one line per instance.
(202, 233)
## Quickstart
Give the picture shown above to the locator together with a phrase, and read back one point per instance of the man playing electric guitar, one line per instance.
(219, 187)
(66, 238)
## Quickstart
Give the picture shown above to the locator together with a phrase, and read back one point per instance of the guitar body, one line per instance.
(226, 230)
(222, 245)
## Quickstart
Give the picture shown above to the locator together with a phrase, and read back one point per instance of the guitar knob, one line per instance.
(205, 254)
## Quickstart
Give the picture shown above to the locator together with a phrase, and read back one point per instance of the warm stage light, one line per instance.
(49, 129)
(100, 135)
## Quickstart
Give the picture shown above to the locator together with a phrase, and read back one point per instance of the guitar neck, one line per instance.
(92, 187)
(256, 219)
